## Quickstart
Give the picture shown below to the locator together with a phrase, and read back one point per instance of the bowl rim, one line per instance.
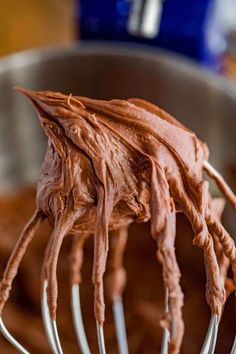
(184, 65)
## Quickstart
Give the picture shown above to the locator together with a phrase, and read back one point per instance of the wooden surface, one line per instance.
(33, 23)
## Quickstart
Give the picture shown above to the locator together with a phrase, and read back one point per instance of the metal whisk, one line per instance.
(48, 318)
(118, 312)
(54, 341)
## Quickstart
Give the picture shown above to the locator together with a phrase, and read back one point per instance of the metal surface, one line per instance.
(211, 336)
(145, 18)
(11, 339)
(49, 324)
(119, 319)
(78, 319)
(101, 341)
(166, 332)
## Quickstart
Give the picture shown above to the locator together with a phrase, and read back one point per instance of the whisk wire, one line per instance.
(56, 337)
(11, 339)
(78, 320)
(211, 336)
(119, 318)
(101, 341)
(166, 332)
(214, 335)
(49, 324)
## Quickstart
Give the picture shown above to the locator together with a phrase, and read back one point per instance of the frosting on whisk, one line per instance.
(111, 163)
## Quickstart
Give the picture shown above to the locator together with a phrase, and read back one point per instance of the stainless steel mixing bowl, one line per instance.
(203, 101)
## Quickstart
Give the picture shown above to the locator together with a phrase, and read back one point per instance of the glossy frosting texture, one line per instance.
(111, 163)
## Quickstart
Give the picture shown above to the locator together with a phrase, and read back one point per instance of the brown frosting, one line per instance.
(109, 164)
(143, 298)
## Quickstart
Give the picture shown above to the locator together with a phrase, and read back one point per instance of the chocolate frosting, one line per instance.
(143, 298)
(109, 164)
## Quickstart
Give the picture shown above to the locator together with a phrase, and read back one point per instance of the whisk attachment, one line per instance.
(49, 324)
(119, 319)
(81, 133)
(78, 320)
(11, 339)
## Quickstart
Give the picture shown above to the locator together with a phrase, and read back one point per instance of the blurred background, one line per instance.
(31, 23)
(204, 30)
